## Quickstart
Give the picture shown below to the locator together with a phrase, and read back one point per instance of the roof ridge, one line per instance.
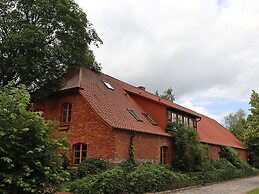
(80, 77)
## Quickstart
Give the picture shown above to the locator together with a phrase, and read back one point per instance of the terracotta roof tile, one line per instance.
(112, 105)
(212, 132)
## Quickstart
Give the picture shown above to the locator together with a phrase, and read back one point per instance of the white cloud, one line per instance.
(207, 50)
(203, 110)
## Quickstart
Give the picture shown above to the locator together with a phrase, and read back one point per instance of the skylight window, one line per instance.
(132, 112)
(108, 85)
(149, 119)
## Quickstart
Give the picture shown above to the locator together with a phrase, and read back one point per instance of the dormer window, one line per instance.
(149, 119)
(186, 120)
(132, 112)
(66, 113)
(108, 85)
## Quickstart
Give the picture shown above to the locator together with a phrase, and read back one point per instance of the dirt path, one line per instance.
(238, 186)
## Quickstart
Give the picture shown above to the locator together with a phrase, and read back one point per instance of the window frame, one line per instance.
(176, 117)
(108, 85)
(68, 113)
(164, 154)
(81, 158)
(134, 114)
(149, 119)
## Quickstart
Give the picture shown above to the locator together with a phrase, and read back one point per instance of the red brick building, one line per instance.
(103, 115)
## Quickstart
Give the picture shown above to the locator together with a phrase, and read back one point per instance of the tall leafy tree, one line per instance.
(251, 134)
(40, 40)
(235, 122)
(167, 94)
(29, 158)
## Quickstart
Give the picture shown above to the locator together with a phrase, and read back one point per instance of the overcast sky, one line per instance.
(206, 50)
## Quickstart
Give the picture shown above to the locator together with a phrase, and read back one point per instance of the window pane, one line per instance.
(163, 155)
(83, 146)
(83, 154)
(77, 154)
(174, 117)
(69, 113)
(77, 147)
(190, 122)
(66, 113)
(169, 116)
(185, 120)
(132, 112)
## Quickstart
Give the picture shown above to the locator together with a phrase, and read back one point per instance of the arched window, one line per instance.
(163, 155)
(66, 113)
(79, 153)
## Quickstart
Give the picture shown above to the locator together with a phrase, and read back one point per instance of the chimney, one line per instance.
(142, 88)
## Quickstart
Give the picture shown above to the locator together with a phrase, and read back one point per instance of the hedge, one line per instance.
(153, 177)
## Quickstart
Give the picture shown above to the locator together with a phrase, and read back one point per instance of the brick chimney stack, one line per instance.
(142, 88)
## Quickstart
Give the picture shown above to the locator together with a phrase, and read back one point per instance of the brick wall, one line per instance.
(243, 154)
(86, 126)
(146, 146)
(214, 151)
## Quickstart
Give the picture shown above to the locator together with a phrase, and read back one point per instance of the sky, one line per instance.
(206, 50)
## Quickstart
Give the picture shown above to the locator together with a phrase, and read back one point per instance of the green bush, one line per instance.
(229, 154)
(128, 165)
(110, 181)
(222, 169)
(189, 153)
(91, 166)
(152, 178)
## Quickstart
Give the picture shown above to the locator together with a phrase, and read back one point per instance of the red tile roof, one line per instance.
(112, 105)
(210, 131)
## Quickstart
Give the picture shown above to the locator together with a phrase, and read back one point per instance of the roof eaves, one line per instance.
(239, 147)
(140, 131)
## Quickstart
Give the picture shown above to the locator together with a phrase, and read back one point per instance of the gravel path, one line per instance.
(238, 186)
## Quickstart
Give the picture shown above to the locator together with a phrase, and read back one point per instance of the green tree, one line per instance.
(29, 158)
(251, 133)
(235, 122)
(167, 95)
(189, 153)
(40, 40)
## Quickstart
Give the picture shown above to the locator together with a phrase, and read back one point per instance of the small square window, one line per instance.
(132, 112)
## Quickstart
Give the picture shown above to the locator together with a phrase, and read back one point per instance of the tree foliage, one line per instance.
(189, 153)
(235, 122)
(29, 158)
(167, 95)
(40, 40)
(251, 133)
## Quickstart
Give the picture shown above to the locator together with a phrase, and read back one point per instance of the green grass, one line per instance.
(255, 191)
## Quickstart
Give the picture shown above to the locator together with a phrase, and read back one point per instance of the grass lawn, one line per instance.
(255, 191)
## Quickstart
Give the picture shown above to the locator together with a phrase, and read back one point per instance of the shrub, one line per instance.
(189, 153)
(91, 166)
(229, 154)
(152, 178)
(110, 181)
(128, 165)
